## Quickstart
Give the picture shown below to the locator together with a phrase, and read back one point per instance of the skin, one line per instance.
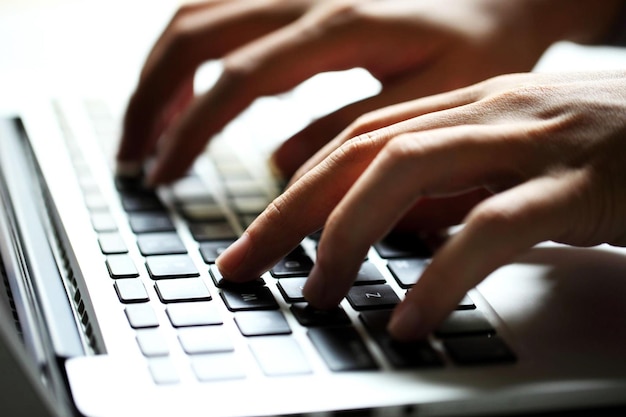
(492, 134)
(270, 46)
(552, 145)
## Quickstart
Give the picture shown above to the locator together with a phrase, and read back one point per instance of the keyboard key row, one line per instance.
(467, 335)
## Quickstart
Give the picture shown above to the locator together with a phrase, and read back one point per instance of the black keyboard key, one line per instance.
(121, 266)
(414, 354)
(171, 266)
(479, 350)
(160, 244)
(369, 274)
(212, 231)
(366, 297)
(407, 271)
(111, 243)
(398, 245)
(211, 250)
(312, 317)
(205, 339)
(150, 222)
(262, 323)
(280, 356)
(217, 366)
(220, 282)
(132, 202)
(199, 313)
(466, 304)
(141, 315)
(464, 322)
(295, 264)
(248, 298)
(291, 289)
(131, 290)
(182, 289)
(341, 348)
(134, 184)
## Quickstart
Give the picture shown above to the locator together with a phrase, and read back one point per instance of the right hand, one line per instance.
(550, 146)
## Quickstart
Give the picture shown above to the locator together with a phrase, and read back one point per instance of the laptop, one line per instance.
(111, 305)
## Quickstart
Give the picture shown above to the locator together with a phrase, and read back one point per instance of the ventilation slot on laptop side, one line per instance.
(71, 283)
(72, 287)
(5, 293)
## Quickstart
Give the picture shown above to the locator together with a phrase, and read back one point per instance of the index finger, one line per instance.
(304, 207)
(197, 33)
(298, 212)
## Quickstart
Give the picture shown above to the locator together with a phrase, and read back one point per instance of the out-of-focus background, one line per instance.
(98, 46)
(92, 46)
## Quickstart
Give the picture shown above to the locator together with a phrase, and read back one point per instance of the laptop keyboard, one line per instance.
(178, 233)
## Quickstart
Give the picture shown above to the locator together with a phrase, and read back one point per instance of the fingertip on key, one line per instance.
(407, 323)
(230, 261)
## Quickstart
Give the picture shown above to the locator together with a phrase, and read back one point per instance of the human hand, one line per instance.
(551, 148)
(414, 48)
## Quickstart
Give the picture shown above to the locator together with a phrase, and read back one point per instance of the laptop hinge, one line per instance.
(43, 290)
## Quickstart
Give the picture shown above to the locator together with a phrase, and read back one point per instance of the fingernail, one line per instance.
(128, 168)
(406, 322)
(231, 259)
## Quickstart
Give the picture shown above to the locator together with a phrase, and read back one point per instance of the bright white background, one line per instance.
(97, 47)
(93, 46)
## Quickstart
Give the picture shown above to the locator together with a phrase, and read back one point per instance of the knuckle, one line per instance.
(279, 212)
(182, 12)
(405, 148)
(493, 218)
(353, 149)
(333, 15)
(273, 213)
(179, 44)
(235, 69)
(340, 10)
(364, 123)
(504, 93)
(518, 97)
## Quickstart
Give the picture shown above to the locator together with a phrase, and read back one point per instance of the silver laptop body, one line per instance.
(89, 340)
